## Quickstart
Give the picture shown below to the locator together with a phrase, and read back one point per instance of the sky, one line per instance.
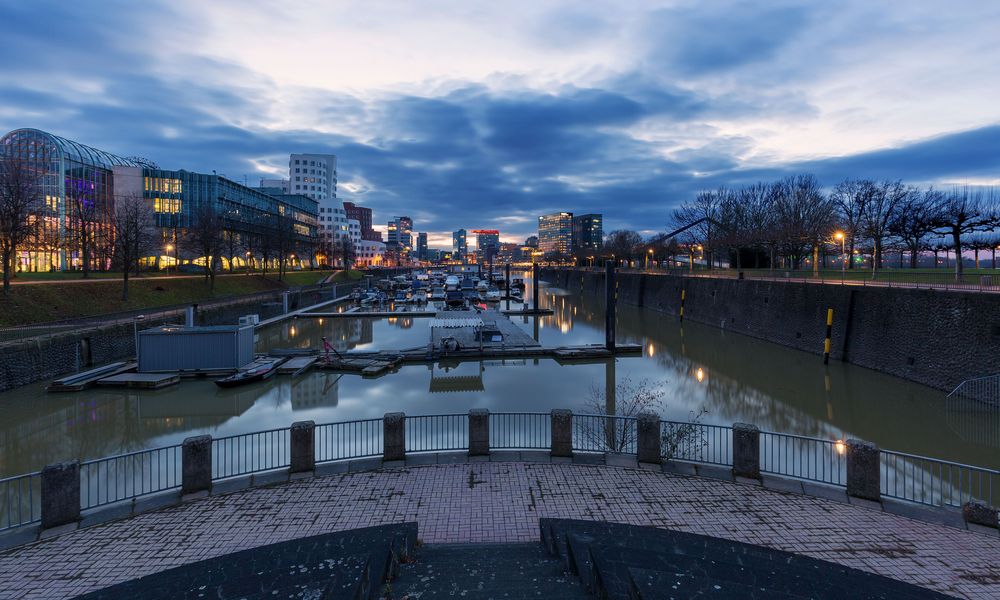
(486, 115)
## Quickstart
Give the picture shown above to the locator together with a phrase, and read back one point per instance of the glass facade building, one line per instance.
(555, 233)
(487, 244)
(460, 244)
(588, 232)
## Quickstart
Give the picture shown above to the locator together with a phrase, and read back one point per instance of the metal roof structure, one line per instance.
(74, 151)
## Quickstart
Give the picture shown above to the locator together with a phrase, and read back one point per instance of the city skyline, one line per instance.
(626, 112)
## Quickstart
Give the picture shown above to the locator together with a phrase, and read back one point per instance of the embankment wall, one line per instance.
(937, 338)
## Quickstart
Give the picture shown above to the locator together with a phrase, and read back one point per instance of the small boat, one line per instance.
(455, 299)
(482, 285)
(493, 294)
(420, 297)
(517, 282)
(437, 293)
(451, 283)
(258, 370)
(467, 284)
(401, 296)
(515, 292)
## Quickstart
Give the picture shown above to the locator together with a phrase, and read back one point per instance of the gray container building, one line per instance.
(170, 348)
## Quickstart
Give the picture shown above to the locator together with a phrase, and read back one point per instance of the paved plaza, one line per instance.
(502, 502)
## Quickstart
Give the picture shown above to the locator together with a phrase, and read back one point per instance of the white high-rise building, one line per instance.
(315, 175)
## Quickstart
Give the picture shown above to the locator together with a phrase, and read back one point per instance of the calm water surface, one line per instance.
(733, 377)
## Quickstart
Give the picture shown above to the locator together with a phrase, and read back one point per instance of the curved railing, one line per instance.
(743, 448)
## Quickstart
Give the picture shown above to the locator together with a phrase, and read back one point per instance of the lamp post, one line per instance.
(135, 333)
(649, 253)
(843, 253)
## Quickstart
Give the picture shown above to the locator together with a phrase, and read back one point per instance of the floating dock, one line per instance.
(85, 379)
(297, 365)
(146, 381)
(381, 314)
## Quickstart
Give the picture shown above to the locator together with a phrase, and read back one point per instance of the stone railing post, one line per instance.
(863, 470)
(303, 447)
(60, 494)
(479, 432)
(562, 432)
(648, 438)
(394, 436)
(746, 450)
(980, 513)
(196, 464)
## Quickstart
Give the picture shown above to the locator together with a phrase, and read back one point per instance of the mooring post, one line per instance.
(534, 286)
(609, 310)
(829, 330)
(506, 283)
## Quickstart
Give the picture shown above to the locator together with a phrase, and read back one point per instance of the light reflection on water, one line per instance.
(733, 377)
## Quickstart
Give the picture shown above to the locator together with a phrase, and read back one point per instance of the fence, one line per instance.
(50, 496)
(983, 389)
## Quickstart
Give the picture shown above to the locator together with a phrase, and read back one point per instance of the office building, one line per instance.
(363, 216)
(315, 176)
(369, 253)
(399, 235)
(279, 186)
(555, 233)
(422, 245)
(531, 241)
(75, 178)
(487, 244)
(588, 232)
(459, 244)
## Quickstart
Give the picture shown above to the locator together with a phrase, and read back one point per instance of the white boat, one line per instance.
(451, 283)
(437, 293)
(493, 295)
(420, 296)
(482, 285)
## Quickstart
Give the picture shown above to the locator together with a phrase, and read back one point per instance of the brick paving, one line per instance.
(502, 502)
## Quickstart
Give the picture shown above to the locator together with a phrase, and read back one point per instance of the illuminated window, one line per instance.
(166, 205)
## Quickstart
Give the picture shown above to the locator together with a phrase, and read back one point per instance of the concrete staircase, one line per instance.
(349, 565)
(644, 563)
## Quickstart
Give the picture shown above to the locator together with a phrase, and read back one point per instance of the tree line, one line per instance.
(793, 220)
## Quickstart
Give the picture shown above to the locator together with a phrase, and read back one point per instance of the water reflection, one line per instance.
(734, 377)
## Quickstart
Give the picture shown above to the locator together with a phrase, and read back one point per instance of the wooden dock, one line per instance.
(529, 311)
(85, 379)
(146, 381)
(297, 365)
(370, 314)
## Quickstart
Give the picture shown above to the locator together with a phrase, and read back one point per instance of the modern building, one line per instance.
(422, 245)
(588, 232)
(80, 185)
(531, 241)
(363, 216)
(459, 244)
(354, 232)
(369, 253)
(315, 176)
(275, 184)
(400, 234)
(487, 244)
(555, 233)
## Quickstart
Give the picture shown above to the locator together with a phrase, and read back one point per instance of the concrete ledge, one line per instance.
(505, 456)
(822, 490)
(479, 458)
(103, 514)
(928, 514)
(232, 484)
(679, 468)
(627, 461)
(418, 460)
(984, 530)
(19, 536)
(270, 478)
(539, 456)
(865, 503)
(386, 464)
(714, 472)
(302, 475)
(156, 501)
(585, 458)
(52, 532)
(781, 484)
(747, 480)
(194, 496)
(332, 468)
(452, 458)
(364, 464)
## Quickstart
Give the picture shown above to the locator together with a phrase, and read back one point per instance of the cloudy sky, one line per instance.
(485, 115)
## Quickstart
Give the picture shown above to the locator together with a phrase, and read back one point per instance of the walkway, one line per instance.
(502, 502)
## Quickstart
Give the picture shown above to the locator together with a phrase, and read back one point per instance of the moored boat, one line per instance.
(258, 370)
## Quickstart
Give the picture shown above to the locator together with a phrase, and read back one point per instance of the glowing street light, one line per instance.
(843, 252)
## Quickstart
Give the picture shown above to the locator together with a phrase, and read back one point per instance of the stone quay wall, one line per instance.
(45, 357)
(933, 337)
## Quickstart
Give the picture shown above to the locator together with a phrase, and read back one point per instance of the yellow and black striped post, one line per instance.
(826, 343)
(682, 304)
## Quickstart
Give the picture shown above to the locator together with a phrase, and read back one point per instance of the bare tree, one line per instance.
(881, 208)
(704, 206)
(83, 225)
(804, 216)
(623, 244)
(850, 198)
(962, 211)
(204, 237)
(20, 189)
(134, 234)
(914, 221)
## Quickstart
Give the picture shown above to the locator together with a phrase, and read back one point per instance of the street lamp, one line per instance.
(843, 253)
(649, 253)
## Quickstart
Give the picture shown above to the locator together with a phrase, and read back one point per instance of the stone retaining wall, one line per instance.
(937, 338)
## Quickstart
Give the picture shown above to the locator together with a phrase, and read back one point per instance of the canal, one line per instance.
(722, 376)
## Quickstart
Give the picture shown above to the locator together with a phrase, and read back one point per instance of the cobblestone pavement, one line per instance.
(502, 502)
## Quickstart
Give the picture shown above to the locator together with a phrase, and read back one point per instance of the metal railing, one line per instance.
(984, 389)
(20, 500)
(126, 476)
(802, 457)
(431, 433)
(935, 482)
(521, 431)
(348, 439)
(248, 453)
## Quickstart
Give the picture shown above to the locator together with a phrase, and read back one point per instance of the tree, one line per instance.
(133, 234)
(20, 190)
(880, 209)
(83, 224)
(803, 217)
(345, 251)
(850, 198)
(204, 237)
(965, 210)
(914, 221)
(623, 244)
(704, 206)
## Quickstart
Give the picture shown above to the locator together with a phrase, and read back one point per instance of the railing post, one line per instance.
(746, 451)
(479, 432)
(196, 464)
(302, 453)
(60, 494)
(648, 438)
(863, 470)
(394, 436)
(980, 513)
(562, 432)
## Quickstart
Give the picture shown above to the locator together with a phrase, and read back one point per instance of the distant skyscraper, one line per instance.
(555, 233)
(588, 232)
(400, 234)
(422, 245)
(487, 244)
(459, 244)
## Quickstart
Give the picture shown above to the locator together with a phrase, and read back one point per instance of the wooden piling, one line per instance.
(609, 307)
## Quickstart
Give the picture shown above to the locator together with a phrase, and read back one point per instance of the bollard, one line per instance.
(826, 342)
(979, 513)
(746, 451)
(60, 494)
(562, 432)
(479, 432)
(196, 464)
(394, 436)
(863, 470)
(303, 447)
(648, 434)
(683, 293)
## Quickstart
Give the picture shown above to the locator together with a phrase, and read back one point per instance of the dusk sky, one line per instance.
(485, 115)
